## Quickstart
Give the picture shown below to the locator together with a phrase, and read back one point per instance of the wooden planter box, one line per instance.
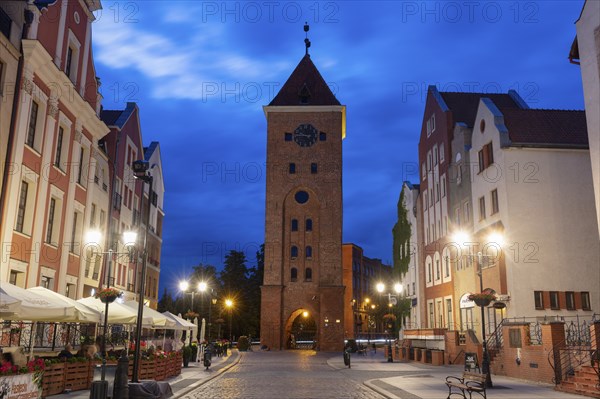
(147, 369)
(53, 381)
(161, 369)
(77, 375)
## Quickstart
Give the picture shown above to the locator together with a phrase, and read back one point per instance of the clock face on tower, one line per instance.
(305, 135)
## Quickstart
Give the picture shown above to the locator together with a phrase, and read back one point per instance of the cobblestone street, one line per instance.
(289, 374)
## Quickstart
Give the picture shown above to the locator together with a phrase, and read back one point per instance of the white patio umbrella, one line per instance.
(203, 330)
(81, 312)
(117, 313)
(180, 323)
(35, 307)
(157, 320)
(8, 304)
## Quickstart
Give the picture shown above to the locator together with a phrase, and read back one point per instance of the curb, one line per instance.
(379, 390)
(195, 385)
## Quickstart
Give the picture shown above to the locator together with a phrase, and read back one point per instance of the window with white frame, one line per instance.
(33, 122)
(423, 171)
(53, 221)
(467, 212)
(71, 66)
(495, 206)
(20, 223)
(442, 155)
(430, 125)
(58, 152)
(435, 155)
(443, 182)
(481, 208)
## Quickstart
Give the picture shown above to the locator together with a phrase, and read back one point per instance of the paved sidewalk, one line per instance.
(190, 377)
(422, 381)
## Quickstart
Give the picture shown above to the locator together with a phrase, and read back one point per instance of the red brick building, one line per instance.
(303, 226)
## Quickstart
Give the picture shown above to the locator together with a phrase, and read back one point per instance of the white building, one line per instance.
(586, 48)
(410, 281)
(532, 184)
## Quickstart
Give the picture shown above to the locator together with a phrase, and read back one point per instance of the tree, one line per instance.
(401, 234)
(166, 302)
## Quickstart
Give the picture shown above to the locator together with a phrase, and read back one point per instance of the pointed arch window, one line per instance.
(308, 251)
(309, 225)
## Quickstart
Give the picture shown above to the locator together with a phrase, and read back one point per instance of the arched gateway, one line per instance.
(303, 293)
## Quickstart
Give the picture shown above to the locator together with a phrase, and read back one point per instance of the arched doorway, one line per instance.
(301, 331)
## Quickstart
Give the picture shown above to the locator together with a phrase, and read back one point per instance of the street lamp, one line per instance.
(184, 286)
(213, 301)
(392, 300)
(93, 237)
(497, 240)
(229, 304)
(141, 170)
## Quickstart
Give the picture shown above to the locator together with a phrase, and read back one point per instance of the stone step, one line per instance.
(589, 390)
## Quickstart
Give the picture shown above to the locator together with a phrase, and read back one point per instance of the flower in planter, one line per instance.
(108, 294)
(389, 317)
(484, 296)
(190, 315)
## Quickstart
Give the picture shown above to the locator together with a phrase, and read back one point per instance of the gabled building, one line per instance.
(443, 110)
(533, 218)
(406, 252)
(52, 137)
(586, 52)
(129, 205)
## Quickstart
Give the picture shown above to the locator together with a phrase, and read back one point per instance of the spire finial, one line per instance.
(306, 41)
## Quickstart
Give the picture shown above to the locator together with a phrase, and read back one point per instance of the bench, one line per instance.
(469, 383)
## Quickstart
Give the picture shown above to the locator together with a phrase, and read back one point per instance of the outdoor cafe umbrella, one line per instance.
(117, 313)
(180, 323)
(81, 312)
(8, 304)
(157, 320)
(34, 307)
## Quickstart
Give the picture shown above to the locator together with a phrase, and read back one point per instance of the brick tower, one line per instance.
(302, 290)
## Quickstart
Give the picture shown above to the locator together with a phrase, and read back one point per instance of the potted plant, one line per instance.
(108, 295)
(243, 343)
(483, 298)
(190, 315)
(187, 355)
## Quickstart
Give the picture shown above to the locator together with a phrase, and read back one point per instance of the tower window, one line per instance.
(288, 137)
(308, 274)
(292, 168)
(294, 251)
(308, 251)
(308, 225)
(322, 136)
(294, 273)
(313, 168)
(301, 197)
(294, 224)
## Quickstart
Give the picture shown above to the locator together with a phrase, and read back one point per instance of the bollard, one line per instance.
(347, 358)
(121, 383)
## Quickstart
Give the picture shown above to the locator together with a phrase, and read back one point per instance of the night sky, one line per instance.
(201, 71)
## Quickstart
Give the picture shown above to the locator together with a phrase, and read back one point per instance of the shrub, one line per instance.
(243, 343)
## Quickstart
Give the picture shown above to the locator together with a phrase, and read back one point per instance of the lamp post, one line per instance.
(485, 363)
(213, 301)
(100, 388)
(229, 304)
(141, 171)
(495, 239)
(392, 301)
(184, 286)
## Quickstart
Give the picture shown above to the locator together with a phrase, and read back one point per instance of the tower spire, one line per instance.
(306, 41)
